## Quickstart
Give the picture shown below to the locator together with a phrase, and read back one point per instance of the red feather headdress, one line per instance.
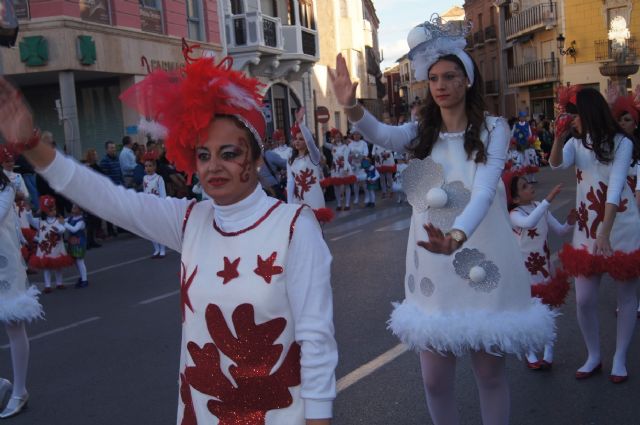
(185, 101)
(567, 96)
(295, 130)
(625, 105)
(6, 153)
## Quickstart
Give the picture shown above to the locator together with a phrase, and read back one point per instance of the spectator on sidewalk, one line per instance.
(110, 166)
(127, 159)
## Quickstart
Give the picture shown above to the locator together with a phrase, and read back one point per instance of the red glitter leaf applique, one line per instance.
(185, 284)
(583, 218)
(303, 182)
(230, 270)
(189, 414)
(631, 182)
(547, 252)
(536, 264)
(623, 205)
(257, 389)
(532, 233)
(578, 175)
(266, 268)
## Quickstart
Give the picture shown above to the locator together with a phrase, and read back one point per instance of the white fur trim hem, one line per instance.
(22, 308)
(513, 332)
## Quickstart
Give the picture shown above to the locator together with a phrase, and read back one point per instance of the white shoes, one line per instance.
(5, 388)
(15, 406)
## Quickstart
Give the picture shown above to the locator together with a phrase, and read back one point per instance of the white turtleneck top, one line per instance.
(308, 262)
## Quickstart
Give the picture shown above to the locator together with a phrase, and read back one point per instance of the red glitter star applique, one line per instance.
(578, 175)
(185, 284)
(230, 270)
(533, 233)
(266, 269)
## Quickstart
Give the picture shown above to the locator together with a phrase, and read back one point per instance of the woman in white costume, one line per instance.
(18, 300)
(466, 288)
(257, 332)
(606, 238)
(342, 176)
(358, 150)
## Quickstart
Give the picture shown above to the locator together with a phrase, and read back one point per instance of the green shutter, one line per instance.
(34, 50)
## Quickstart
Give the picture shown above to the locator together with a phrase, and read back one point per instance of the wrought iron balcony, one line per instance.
(490, 34)
(539, 71)
(492, 87)
(541, 16)
(470, 45)
(253, 30)
(610, 51)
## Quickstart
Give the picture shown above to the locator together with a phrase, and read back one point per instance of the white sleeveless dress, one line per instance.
(306, 180)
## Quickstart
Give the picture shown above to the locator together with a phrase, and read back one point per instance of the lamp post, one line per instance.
(571, 50)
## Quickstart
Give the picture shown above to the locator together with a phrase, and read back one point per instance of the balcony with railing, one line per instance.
(492, 88)
(254, 31)
(490, 34)
(541, 16)
(536, 72)
(470, 45)
(478, 38)
(611, 51)
(300, 42)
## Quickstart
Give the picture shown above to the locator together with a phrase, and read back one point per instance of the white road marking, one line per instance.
(398, 225)
(346, 235)
(58, 330)
(113, 266)
(159, 297)
(370, 367)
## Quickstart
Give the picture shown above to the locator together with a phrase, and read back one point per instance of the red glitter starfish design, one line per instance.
(185, 284)
(532, 233)
(578, 175)
(266, 269)
(230, 270)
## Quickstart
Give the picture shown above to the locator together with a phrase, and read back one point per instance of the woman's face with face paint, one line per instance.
(447, 84)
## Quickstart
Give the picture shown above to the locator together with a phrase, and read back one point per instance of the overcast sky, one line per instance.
(397, 17)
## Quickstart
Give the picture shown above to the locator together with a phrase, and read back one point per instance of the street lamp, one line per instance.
(571, 50)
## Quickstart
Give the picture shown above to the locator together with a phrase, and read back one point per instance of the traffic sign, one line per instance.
(322, 114)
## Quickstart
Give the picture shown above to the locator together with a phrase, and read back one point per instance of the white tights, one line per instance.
(356, 191)
(47, 277)
(346, 190)
(19, 356)
(369, 196)
(386, 182)
(82, 269)
(438, 376)
(158, 248)
(587, 309)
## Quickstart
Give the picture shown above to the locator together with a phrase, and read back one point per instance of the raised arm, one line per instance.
(527, 221)
(7, 195)
(314, 152)
(74, 228)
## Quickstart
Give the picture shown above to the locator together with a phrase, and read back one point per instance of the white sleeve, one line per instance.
(637, 177)
(23, 188)
(33, 222)
(290, 184)
(395, 138)
(557, 227)
(568, 155)
(161, 188)
(7, 197)
(486, 180)
(314, 152)
(78, 226)
(309, 291)
(619, 171)
(520, 219)
(123, 207)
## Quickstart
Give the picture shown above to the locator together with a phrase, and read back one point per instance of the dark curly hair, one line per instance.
(598, 123)
(430, 119)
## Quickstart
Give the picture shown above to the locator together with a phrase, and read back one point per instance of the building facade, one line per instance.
(75, 58)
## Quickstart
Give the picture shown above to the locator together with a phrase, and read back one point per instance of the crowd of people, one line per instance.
(478, 280)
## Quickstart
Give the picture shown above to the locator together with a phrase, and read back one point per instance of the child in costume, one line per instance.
(51, 254)
(77, 242)
(397, 180)
(372, 182)
(257, 342)
(531, 162)
(153, 184)
(515, 158)
(386, 166)
(358, 150)
(465, 293)
(521, 131)
(607, 236)
(342, 176)
(531, 221)
(303, 171)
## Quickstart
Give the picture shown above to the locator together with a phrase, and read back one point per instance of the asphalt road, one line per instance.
(109, 354)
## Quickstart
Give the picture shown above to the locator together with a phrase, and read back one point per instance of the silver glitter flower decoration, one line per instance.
(427, 287)
(416, 263)
(418, 178)
(411, 283)
(5, 286)
(458, 197)
(3, 261)
(466, 259)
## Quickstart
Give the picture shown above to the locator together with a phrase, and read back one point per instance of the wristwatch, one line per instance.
(457, 235)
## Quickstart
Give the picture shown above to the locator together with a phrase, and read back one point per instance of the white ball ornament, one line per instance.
(416, 36)
(437, 198)
(477, 274)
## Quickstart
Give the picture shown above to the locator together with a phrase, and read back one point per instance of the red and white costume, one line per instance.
(342, 175)
(304, 175)
(154, 184)
(386, 166)
(257, 332)
(50, 252)
(358, 150)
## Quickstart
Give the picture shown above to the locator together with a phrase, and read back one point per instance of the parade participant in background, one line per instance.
(515, 158)
(51, 254)
(303, 171)
(153, 184)
(254, 270)
(386, 166)
(281, 148)
(607, 237)
(18, 303)
(531, 162)
(626, 110)
(531, 221)
(358, 149)
(77, 241)
(397, 179)
(521, 131)
(342, 176)
(272, 174)
(7, 161)
(465, 293)
(372, 182)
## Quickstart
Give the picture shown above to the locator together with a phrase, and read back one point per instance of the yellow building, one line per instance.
(588, 25)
